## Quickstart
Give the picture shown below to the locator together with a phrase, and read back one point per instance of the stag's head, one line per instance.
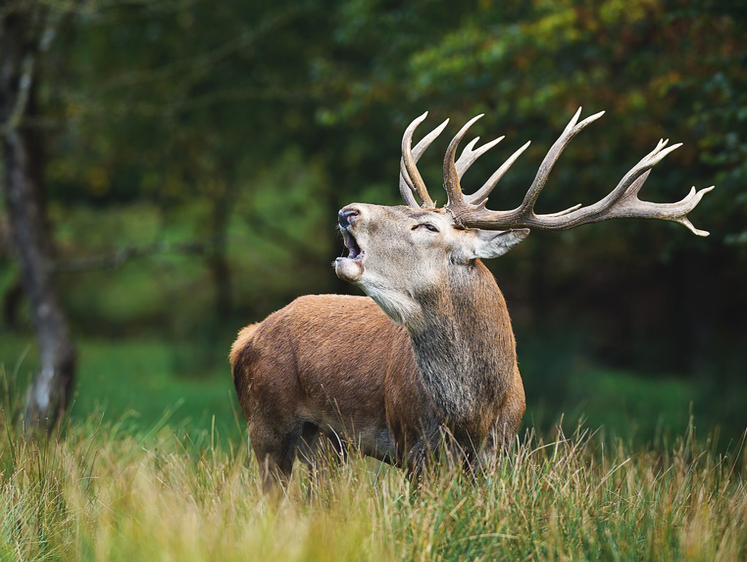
(401, 255)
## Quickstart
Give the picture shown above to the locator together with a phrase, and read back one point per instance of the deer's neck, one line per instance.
(464, 345)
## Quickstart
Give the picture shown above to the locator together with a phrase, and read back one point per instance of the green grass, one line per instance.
(135, 383)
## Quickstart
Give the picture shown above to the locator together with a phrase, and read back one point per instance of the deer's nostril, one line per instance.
(346, 218)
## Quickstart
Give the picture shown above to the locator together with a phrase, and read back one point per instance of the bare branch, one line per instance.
(47, 22)
(22, 99)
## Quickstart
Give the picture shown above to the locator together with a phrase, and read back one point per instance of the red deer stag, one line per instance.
(441, 356)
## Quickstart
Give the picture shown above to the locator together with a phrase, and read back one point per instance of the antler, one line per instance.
(621, 202)
(410, 180)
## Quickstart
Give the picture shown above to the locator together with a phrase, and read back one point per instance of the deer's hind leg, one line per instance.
(275, 451)
(321, 451)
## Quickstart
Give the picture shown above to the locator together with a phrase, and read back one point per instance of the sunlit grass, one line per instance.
(98, 491)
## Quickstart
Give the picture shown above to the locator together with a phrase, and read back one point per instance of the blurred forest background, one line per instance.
(195, 154)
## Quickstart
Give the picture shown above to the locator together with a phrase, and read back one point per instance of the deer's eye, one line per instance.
(427, 226)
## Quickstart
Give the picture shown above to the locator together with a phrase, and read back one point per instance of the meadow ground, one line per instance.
(95, 492)
(180, 486)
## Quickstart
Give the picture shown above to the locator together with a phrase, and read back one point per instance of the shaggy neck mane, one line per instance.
(465, 345)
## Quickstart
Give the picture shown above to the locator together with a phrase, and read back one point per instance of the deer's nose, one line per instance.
(346, 217)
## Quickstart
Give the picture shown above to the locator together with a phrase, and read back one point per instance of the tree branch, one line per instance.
(49, 22)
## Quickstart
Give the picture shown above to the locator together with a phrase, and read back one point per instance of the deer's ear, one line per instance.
(493, 243)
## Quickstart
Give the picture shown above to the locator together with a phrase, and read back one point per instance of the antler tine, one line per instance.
(692, 199)
(482, 194)
(406, 186)
(451, 174)
(629, 184)
(426, 141)
(469, 155)
(571, 130)
(628, 205)
(410, 172)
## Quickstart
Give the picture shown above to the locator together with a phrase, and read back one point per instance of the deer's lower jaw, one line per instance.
(349, 269)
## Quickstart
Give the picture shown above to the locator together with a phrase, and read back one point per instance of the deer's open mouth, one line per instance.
(350, 268)
(354, 250)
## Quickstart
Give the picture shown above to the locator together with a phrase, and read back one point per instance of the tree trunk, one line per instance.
(25, 200)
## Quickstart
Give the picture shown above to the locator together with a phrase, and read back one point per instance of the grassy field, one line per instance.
(136, 383)
(152, 465)
(98, 492)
